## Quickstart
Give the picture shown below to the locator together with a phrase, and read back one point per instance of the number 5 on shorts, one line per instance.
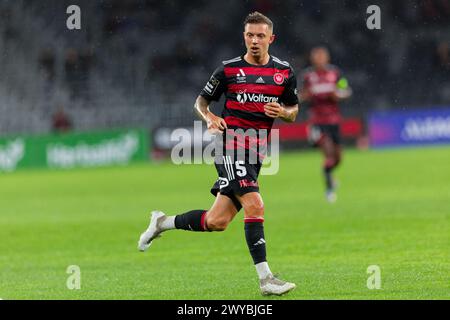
(241, 170)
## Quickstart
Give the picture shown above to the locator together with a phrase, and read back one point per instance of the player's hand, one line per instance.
(273, 110)
(215, 124)
(339, 95)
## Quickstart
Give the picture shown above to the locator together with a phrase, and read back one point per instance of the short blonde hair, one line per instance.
(257, 17)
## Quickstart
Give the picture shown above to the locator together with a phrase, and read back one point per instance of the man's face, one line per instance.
(258, 38)
(320, 57)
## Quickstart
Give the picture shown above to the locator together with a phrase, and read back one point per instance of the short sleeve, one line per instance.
(289, 96)
(215, 86)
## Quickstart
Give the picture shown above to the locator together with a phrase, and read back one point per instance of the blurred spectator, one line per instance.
(443, 56)
(405, 11)
(73, 72)
(87, 62)
(78, 66)
(61, 122)
(437, 11)
(9, 32)
(47, 64)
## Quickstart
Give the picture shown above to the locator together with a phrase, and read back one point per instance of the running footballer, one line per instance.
(324, 87)
(258, 89)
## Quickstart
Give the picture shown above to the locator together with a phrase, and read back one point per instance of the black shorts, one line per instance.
(236, 177)
(316, 132)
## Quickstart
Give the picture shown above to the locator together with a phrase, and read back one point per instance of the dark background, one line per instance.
(143, 62)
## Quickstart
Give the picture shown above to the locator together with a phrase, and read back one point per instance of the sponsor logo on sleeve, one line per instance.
(211, 86)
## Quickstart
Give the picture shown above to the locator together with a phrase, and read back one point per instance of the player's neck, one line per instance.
(263, 60)
(320, 67)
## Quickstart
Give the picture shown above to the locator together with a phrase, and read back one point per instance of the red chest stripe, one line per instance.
(256, 88)
(232, 72)
(248, 106)
(247, 124)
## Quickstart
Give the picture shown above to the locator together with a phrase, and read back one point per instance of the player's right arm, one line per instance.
(212, 91)
(343, 90)
(215, 124)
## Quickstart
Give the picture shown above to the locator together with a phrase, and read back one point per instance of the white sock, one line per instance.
(263, 270)
(168, 223)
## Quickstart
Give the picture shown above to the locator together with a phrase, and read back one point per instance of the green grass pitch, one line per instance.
(393, 211)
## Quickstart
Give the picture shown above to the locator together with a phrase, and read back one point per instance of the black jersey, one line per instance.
(248, 88)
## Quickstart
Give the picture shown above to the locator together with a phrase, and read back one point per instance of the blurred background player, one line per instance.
(323, 87)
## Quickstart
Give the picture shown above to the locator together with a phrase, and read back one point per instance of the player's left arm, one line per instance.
(343, 90)
(288, 109)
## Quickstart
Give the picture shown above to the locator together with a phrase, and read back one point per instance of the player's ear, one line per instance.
(272, 39)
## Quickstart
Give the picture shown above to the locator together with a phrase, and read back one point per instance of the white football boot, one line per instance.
(331, 196)
(153, 231)
(274, 286)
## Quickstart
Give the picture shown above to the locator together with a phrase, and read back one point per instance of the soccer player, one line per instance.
(258, 88)
(324, 86)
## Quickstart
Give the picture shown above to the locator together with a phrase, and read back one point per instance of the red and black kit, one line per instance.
(247, 88)
(324, 114)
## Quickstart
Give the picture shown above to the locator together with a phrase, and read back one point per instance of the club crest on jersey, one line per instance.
(278, 78)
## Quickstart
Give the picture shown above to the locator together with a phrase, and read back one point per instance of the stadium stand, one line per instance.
(141, 63)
